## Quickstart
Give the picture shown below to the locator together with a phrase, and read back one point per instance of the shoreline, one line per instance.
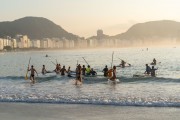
(84, 48)
(41, 111)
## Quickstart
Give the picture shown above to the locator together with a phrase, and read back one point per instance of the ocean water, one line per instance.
(160, 91)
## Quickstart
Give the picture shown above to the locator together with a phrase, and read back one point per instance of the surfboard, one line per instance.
(111, 81)
(140, 75)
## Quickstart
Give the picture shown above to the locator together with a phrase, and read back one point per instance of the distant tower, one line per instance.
(100, 34)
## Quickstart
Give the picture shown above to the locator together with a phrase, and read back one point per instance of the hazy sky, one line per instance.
(84, 17)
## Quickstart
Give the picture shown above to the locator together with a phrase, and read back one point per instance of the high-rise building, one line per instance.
(36, 43)
(100, 34)
(1, 44)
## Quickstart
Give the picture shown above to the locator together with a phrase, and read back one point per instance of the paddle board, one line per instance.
(111, 81)
(140, 75)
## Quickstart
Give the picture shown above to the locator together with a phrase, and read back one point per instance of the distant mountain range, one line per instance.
(38, 28)
(161, 29)
(35, 28)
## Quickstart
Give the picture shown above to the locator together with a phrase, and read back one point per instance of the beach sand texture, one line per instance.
(31, 111)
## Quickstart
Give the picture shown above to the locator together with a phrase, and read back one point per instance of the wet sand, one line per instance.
(36, 111)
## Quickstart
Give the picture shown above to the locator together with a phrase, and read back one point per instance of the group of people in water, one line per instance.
(150, 70)
(79, 72)
(82, 71)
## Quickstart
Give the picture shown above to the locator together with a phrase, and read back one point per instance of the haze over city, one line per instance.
(84, 17)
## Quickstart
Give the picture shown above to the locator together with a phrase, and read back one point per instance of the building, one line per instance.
(71, 43)
(92, 43)
(1, 44)
(14, 43)
(43, 43)
(36, 44)
(25, 42)
(100, 34)
(65, 43)
(81, 43)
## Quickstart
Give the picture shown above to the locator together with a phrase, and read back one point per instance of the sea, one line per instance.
(160, 91)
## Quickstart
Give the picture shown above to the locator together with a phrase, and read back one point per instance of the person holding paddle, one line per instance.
(32, 74)
(113, 78)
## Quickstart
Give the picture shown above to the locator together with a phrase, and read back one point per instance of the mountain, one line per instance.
(160, 29)
(35, 28)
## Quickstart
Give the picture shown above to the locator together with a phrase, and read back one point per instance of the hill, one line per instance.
(161, 29)
(35, 28)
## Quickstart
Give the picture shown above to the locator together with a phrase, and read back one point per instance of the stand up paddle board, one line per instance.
(113, 81)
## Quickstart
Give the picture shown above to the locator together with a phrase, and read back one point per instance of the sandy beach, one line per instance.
(31, 111)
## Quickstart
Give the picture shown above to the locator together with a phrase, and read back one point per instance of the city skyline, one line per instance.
(84, 17)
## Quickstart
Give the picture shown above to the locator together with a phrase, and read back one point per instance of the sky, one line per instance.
(85, 17)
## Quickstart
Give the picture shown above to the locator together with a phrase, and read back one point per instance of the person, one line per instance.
(153, 71)
(59, 65)
(44, 70)
(57, 69)
(33, 71)
(154, 62)
(93, 72)
(63, 70)
(122, 63)
(113, 78)
(148, 70)
(88, 70)
(46, 55)
(109, 72)
(105, 70)
(78, 75)
(69, 71)
(84, 70)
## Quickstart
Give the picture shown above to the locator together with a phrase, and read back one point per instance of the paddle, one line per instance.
(112, 59)
(85, 60)
(26, 76)
(53, 63)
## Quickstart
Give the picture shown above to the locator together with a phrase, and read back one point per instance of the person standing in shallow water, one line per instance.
(78, 75)
(93, 72)
(83, 70)
(153, 71)
(69, 71)
(113, 78)
(105, 70)
(148, 70)
(33, 71)
(44, 70)
(88, 70)
(63, 70)
(109, 72)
